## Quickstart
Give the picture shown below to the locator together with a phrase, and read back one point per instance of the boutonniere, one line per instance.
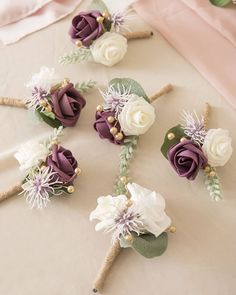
(50, 170)
(57, 103)
(99, 36)
(192, 146)
(134, 214)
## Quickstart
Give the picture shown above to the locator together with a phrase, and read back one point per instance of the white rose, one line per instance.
(151, 207)
(30, 154)
(137, 116)
(109, 49)
(45, 79)
(146, 213)
(217, 147)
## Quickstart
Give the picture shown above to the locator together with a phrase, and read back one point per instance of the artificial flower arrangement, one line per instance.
(98, 35)
(50, 170)
(134, 214)
(58, 103)
(192, 146)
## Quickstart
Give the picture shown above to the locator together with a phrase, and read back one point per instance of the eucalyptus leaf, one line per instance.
(220, 3)
(53, 123)
(178, 132)
(150, 246)
(131, 84)
(98, 5)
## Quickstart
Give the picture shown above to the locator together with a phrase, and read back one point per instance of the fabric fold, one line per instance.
(212, 53)
(46, 15)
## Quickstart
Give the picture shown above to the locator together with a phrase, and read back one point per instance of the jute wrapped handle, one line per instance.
(206, 115)
(14, 102)
(12, 191)
(112, 253)
(162, 91)
(138, 35)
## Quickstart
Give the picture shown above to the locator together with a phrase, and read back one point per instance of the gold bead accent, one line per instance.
(212, 174)
(65, 82)
(207, 169)
(43, 166)
(119, 136)
(113, 130)
(99, 108)
(128, 238)
(43, 103)
(70, 189)
(54, 142)
(182, 139)
(77, 171)
(78, 43)
(170, 135)
(110, 119)
(100, 19)
(48, 109)
(128, 203)
(106, 14)
(172, 229)
(123, 179)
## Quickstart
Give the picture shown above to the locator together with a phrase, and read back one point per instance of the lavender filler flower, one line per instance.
(194, 127)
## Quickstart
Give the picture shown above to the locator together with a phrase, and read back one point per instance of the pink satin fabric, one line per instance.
(202, 33)
(26, 16)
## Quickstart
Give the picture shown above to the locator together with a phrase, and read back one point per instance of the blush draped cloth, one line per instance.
(20, 18)
(203, 33)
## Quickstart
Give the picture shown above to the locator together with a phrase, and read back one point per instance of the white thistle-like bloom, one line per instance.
(30, 154)
(146, 214)
(44, 80)
(194, 126)
(39, 185)
(120, 20)
(116, 98)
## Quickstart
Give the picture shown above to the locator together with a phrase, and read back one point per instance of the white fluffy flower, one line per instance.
(109, 49)
(30, 154)
(39, 186)
(217, 147)
(146, 214)
(137, 116)
(45, 79)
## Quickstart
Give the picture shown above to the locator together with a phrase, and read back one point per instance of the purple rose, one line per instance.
(85, 27)
(102, 126)
(67, 103)
(187, 158)
(63, 163)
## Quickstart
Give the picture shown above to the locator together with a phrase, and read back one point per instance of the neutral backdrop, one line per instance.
(56, 251)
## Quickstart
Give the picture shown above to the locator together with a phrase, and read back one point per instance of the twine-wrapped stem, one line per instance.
(112, 253)
(162, 91)
(12, 191)
(138, 35)
(206, 114)
(13, 102)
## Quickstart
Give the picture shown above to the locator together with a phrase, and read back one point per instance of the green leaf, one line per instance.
(150, 246)
(53, 123)
(85, 86)
(220, 3)
(178, 132)
(72, 57)
(131, 84)
(50, 115)
(107, 24)
(98, 5)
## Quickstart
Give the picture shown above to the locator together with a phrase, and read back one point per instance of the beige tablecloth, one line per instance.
(56, 251)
